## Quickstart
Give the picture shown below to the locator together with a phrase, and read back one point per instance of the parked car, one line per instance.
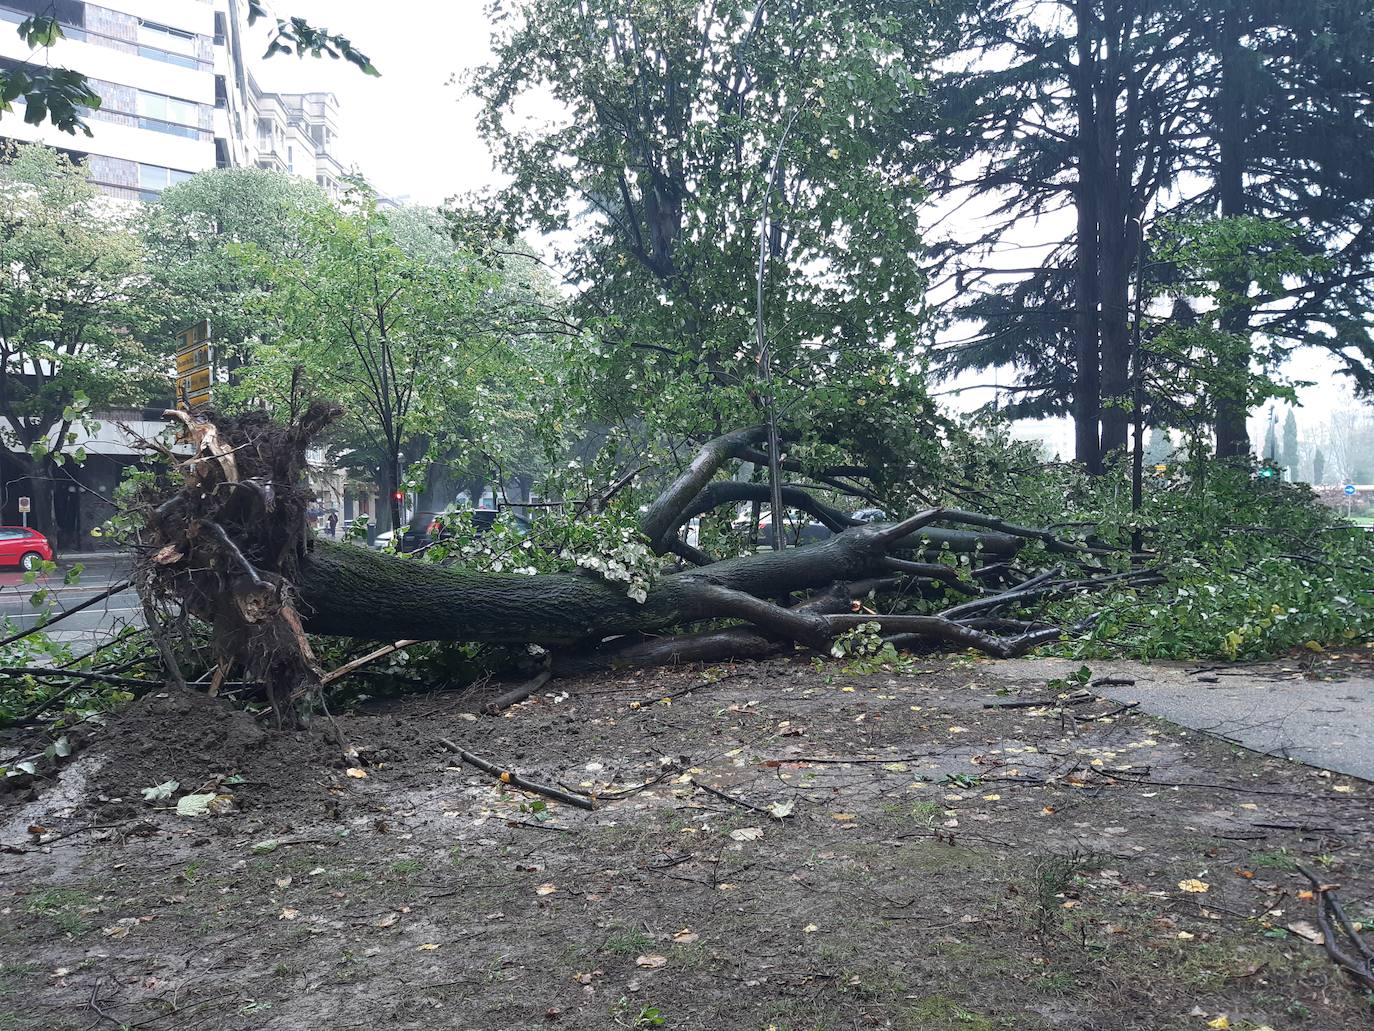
(869, 515)
(430, 527)
(23, 547)
(798, 527)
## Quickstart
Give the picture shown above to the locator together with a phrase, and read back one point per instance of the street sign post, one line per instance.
(25, 504)
(193, 366)
(1349, 489)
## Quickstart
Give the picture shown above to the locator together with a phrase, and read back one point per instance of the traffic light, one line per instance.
(1267, 472)
(398, 496)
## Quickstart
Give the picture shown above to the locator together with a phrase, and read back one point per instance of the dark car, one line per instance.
(796, 529)
(429, 527)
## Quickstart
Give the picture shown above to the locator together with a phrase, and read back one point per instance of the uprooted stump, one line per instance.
(231, 546)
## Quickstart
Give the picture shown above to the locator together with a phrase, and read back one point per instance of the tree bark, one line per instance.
(351, 592)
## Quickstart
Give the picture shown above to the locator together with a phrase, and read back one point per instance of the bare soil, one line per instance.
(941, 866)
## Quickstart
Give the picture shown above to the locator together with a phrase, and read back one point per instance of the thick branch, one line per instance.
(666, 512)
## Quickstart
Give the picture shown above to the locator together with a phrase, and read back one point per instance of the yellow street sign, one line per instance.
(193, 374)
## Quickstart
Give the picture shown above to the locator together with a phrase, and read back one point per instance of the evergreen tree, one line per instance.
(1289, 454)
(1159, 446)
(1318, 468)
(1271, 441)
(1099, 107)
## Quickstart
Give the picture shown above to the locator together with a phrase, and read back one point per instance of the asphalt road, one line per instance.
(86, 629)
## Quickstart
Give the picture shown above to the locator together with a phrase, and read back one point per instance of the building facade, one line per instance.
(178, 96)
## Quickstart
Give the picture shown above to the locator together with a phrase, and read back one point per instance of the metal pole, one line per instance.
(1138, 401)
(765, 359)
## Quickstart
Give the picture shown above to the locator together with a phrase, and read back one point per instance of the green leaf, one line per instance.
(158, 792)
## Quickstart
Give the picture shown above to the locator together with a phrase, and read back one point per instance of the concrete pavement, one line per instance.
(1271, 708)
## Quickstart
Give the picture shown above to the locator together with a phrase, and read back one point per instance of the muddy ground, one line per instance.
(816, 849)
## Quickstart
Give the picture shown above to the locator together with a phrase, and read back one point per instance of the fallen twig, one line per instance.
(73, 674)
(1108, 715)
(514, 779)
(1360, 970)
(729, 798)
(124, 586)
(1042, 703)
(363, 660)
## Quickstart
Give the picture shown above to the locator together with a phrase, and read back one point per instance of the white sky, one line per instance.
(413, 132)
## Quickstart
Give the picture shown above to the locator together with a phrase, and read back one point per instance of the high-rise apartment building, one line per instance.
(178, 95)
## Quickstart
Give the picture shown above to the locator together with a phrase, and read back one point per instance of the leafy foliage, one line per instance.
(660, 169)
(74, 301)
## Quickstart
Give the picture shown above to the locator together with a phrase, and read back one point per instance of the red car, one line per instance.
(20, 546)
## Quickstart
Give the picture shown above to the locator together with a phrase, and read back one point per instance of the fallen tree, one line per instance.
(229, 545)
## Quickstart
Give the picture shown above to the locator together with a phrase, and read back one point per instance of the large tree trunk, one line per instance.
(1113, 258)
(1232, 434)
(1087, 375)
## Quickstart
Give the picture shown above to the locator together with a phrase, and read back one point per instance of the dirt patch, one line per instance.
(877, 851)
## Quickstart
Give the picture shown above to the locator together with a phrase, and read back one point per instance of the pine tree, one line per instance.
(1318, 468)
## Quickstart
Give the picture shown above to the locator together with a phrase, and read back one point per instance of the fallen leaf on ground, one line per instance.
(1221, 1023)
(546, 889)
(387, 921)
(778, 810)
(1305, 931)
(842, 817)
(1193, 886)
(288, 914)
(810, 929)
(160, 791)
(427, 947)
(992, 798)
(204, 805)
(1306, 895)
(651, 962)
(356, 773)
(746, 834)
(686, 936)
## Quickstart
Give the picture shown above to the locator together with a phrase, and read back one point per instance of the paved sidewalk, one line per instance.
(1328, 724)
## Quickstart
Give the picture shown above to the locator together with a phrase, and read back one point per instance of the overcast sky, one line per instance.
(410, 132)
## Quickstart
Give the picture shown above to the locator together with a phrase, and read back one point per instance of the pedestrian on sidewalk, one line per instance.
(333, 524)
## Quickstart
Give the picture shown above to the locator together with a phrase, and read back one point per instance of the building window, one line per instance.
(221, 28)
(153, 179)
(162, 43)
(168, 114)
